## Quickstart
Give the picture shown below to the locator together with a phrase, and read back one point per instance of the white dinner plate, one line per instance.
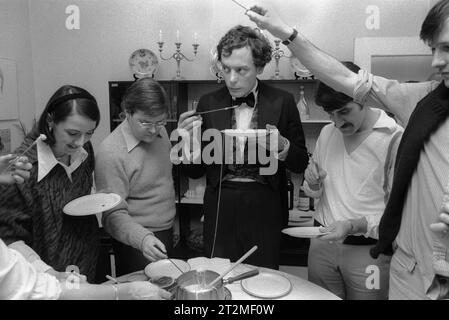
(91, 204)
(267, 285)
(304, 232)
(165, 268)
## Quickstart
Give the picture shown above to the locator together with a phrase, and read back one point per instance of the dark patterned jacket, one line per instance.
(32, 212)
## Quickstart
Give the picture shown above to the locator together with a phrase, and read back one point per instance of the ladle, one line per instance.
(246, 255)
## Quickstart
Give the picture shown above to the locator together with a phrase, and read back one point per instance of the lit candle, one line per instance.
(177, 35)
(195, 38)
(160, 35)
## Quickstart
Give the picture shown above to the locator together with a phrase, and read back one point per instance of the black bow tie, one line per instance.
(249, 100)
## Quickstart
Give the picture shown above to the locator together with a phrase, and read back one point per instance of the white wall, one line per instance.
(110, 30)
(15, 44)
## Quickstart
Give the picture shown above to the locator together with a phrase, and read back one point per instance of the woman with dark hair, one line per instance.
(31, 217)
(134, 162)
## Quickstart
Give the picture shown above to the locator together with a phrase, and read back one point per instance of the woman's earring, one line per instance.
(50, 129)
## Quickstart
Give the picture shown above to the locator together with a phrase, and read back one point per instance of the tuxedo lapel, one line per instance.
(269, 107)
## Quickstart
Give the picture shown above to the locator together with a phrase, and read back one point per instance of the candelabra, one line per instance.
(278, 53)
(178, 56)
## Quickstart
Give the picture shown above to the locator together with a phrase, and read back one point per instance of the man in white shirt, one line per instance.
(350, 175)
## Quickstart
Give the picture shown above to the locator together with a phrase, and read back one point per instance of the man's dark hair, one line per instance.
(434, 21)
(146, 95)
(330, 99)
(243, 36)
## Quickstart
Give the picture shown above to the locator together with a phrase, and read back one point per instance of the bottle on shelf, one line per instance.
(302, 105)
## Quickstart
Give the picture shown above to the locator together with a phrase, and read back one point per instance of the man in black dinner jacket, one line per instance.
(252, 207)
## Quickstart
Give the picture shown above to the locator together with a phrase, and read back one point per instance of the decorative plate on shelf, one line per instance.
(299, 69)
(143, 63)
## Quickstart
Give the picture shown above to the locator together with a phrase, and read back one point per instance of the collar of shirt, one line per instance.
(243, 114)
(47, 161)
(130, 140)
(385, 121)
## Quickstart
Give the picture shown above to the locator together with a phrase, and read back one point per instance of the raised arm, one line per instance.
(325, 67)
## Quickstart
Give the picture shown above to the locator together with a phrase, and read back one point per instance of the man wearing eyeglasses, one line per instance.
(134, 162)
(243, 207)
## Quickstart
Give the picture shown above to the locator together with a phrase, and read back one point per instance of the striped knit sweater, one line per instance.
(32, 212)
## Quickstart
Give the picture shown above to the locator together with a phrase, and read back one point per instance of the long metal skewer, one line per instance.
(216, 110)
(13, 161)
(175, 265)
(239, 5)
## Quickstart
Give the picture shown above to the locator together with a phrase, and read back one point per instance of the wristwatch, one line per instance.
(291, 38)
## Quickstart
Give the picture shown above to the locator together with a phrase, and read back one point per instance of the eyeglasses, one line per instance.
(152, 125)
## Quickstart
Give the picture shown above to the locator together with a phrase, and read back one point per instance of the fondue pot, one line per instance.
(193, 285)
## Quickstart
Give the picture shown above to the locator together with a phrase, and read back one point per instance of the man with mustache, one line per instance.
(350, 175)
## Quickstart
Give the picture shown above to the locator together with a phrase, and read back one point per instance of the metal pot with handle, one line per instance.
(193, 285)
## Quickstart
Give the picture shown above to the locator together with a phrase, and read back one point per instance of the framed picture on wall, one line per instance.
(8, 90)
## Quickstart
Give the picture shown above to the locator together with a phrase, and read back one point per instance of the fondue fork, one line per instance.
(237, 3)
(215, 110)
(112, 279)
(246, 255)
(13, 161)
(182, 272)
